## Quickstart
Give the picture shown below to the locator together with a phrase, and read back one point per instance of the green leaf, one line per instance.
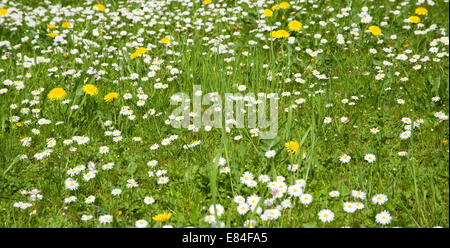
(310, 225)
(79, 90)
(132, 168)
(11, 165)
(269, 143)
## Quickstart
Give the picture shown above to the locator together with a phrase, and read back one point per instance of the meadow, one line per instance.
(86, 122)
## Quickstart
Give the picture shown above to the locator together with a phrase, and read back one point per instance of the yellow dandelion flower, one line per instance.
(141, 50)
(295, 26)
(138, 52)
(276, 35)
(275, 7)
(165, 40)
(421, 11)
(3, 12)
(57, 94)
(111, 96)
(292, 146)
(52, 35)
(99, 7)
(66, 25)
(90, 89)
(268, 12)
(280, 34)
(375, 30)
(283, 33)
(49, 26)
(162, 217)
(414, 19)
(207, 1)
(284, 5)
(134, 55)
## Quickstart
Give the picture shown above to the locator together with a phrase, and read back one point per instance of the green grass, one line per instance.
(416, 185)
